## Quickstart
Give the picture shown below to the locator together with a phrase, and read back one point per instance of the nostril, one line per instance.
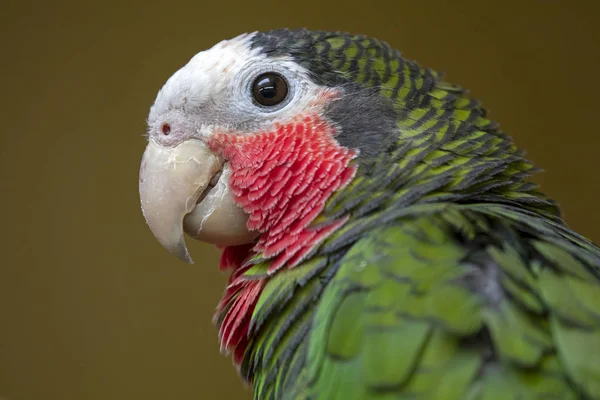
(166, 129)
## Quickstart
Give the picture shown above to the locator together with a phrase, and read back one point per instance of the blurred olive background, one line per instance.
(91, 307)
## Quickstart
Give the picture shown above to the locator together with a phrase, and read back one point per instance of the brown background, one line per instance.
(90, 306)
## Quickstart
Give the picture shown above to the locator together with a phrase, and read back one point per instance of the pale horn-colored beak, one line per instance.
(171, 181)
(177, 195)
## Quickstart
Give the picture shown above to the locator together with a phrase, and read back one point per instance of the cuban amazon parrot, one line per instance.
(383, 239)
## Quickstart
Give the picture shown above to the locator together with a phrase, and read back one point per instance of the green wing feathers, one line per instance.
(460, 302)
(454, 277)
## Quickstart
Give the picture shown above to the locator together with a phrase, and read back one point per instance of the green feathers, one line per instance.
(447, 302)
(418, 310)
(454, 277)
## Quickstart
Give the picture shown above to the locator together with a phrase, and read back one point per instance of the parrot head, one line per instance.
(248, 141)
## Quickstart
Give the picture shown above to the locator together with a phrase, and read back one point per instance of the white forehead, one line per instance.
(214, 89)
(206, 74)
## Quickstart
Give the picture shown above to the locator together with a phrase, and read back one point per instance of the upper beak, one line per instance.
(171, 182)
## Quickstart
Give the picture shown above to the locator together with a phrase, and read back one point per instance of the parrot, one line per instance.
(382, 236)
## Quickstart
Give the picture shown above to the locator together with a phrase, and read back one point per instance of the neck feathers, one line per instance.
(283, 179)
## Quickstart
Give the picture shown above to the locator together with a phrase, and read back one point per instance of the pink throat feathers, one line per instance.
(282, 178)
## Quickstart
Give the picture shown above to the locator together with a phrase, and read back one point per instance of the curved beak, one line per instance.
(171, 182)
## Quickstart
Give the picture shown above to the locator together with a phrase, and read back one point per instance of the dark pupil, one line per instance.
(269, 89)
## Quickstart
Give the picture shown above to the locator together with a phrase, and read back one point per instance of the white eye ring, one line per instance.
(273, 78)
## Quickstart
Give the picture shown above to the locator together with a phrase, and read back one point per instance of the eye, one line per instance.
(165, 129)
(269, 89)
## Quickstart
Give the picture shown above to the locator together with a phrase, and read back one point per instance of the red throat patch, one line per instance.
(282, 179)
